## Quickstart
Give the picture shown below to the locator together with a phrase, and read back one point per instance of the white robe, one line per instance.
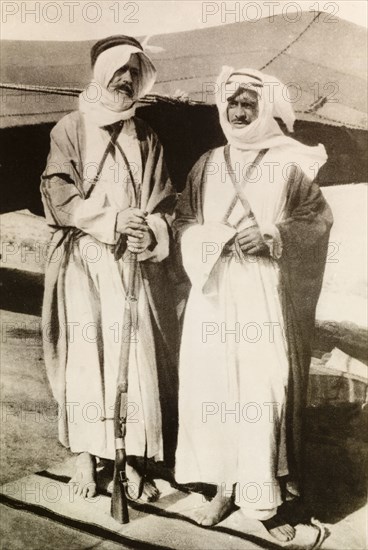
(233, 361)
(95, 300)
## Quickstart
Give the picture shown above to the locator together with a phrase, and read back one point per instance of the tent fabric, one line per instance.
(321, 62)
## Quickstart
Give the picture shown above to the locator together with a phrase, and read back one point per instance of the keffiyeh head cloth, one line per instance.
(264, 132)
(102, 106)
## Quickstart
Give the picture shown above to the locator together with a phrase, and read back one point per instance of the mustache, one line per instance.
(126, 87)
(243, 120)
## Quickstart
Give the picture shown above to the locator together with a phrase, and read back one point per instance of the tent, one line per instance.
(322, 64)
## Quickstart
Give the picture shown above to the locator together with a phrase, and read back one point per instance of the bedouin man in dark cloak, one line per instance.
(253, 230)
(107, 194)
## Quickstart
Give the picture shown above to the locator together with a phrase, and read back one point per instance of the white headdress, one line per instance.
(264, 132)
(104, 107)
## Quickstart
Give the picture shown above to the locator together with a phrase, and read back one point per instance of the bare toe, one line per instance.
(89, 490)
(83, 480)
(200, 515)
(280, 530)
(278, 534)
(75, 486)
(207, 521)
(289, 531)
(150, 491)
(215, 511)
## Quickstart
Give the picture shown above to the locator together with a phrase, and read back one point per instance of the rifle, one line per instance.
(119, 503)
(120, 492)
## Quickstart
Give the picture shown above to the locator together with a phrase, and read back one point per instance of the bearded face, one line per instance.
(125, 79)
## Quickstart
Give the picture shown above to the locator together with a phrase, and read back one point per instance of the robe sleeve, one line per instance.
(62, 200)
(304, 235)
(308, 216)
(272, 238)
(158, 198)
(158, 193)
(96, 218)
(161, 246)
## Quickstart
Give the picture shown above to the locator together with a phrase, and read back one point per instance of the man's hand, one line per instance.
(138, 245)
(251, 241)
(132, 222)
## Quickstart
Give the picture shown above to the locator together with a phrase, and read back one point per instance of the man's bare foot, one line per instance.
(279, 529)
(150, 491)
(215, 511)
(84, 478)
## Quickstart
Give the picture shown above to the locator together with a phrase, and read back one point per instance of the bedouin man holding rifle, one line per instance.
(108, 200)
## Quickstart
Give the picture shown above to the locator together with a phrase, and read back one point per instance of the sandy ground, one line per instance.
(28, 412)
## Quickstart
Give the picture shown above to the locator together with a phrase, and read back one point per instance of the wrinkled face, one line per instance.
(125, 79)
(242, 108)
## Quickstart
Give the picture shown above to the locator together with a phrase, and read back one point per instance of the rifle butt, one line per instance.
(119, 503)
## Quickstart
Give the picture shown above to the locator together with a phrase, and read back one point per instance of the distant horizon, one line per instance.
(52, 21)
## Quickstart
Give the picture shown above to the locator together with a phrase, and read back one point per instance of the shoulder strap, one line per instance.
(240, 195)
(110, 146)
(132, 182)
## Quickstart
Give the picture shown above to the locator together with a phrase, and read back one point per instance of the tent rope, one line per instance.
(152, 98)
(292, 42)
(42, 89)
(276, 56)
(49, 113)
(59, 90)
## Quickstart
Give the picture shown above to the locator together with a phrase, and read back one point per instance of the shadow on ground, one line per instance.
(21, 291)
